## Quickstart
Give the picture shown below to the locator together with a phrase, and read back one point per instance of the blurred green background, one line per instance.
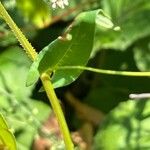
(124, 45)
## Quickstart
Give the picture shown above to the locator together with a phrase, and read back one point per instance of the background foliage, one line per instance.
(121, 42)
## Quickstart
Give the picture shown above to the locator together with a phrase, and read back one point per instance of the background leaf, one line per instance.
(141, 54)
(127, 16)
(7, 139)
(12, 69)
(15, 96)
(3, 123)
(36, 11)
(126, 127)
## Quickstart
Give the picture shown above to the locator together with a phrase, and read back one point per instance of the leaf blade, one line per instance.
(73, 48)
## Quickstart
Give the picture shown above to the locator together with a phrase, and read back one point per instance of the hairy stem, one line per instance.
(44, 77)
(17, 32)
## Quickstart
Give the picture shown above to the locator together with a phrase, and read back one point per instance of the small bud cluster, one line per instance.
(59, 3)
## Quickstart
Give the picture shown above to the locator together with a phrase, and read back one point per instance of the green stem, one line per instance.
(58, 111)
(44, 77)
(109, 72)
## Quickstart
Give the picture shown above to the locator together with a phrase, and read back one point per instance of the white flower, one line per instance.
(59, 3)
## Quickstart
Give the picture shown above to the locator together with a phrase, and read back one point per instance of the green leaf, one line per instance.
(27, 123)
(7, 139)
(12, 69)
(15, 96)
(73, 48)
(126, 127)
(131, 21)
(3, 123)
(104, 20)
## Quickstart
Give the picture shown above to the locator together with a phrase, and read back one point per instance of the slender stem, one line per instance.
(58, 111)
(44, 77)
(109, 72)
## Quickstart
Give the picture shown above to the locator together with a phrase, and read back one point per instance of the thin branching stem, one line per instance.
(109, 72)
